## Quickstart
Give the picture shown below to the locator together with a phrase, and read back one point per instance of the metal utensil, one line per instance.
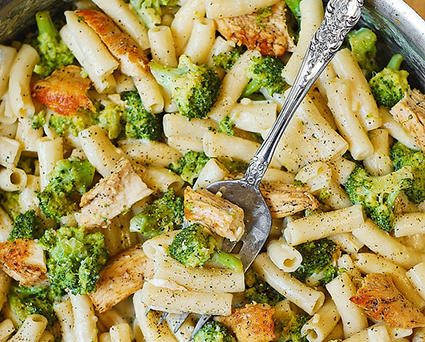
(340, 18)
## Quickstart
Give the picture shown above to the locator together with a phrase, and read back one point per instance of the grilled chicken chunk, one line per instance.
(252, 323)
(410, 112)
(23, 260)
(267, 34)
(114, 194)
(64, 91)
(219, 215)
(287, 199)
(122, 276)
(379, 297)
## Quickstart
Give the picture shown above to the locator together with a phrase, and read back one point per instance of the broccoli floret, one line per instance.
(52, 49)
(25, 301)
(38, 120)
(265, 73)
(214, 332)
(27, 226)
(150, 10)
(258, 290)
(317, 267)
(161, 216)
(289, 330)
(193, 87)
(68, 180)
(226, 126)
(10, 203)
(226, 60)
(235, 167)
(403, 156)
(190, 165)
(74, 259)
(363, 46)
(112, 119)
(65, 125)
(390, 84)
(195, 245)
(139, 123)
(377, 194)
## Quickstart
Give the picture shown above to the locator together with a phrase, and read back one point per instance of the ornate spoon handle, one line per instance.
(340, 17)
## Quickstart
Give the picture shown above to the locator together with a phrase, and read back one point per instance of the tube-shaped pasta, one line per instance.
(84, 318)
(284, 256)
(176, 125)
(4, 287)
(50, 151)
(253, 116)
(322, 225)
(12, 179)
(161, 179)
(206, 279)
(7, 55)
(185, 331)
(201, 40)
(348, 242)
(19, 81)
(10, 152)
(99, 149)
(374, 333)
(7, 328)
(379, 162)
(157, 247)
(409, 224)
(212, 172)
(221, 8)
(63, 310)
(31, 330)
(6, 225)
(220, 46)
(27, 136)
(303, 296)
(353, 317)
(384, 244)
(47, 336)
(416, 276)
(162, 46)
(372, 263)
(322, 322)
(342, 169)
(120, 333)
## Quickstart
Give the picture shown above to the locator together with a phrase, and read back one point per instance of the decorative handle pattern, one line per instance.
(340, 17)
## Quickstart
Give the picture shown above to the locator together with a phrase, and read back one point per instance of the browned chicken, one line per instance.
(379, 297)
(123, 275)
(251, 323)
(410, 112)
(219, 215)
(265, 33)
(113, 195)
(64, 91)
(133, 60)
(23, 260)
(287, 199)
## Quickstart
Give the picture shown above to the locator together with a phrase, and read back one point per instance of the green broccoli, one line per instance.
(289, 329)
(25, 301)
(317, 267)
(377, 194)
(214, 332)
(403, 156)
(190, 165)
(258, 290)
(27, 226)
(139, 123)
(68, 180)
(294, 7)
(363, 46)
(65, 125)
(194, 245)
(52, 49)
(390, 84)
(226, 60)
(74, 259)
(235, 167)
(10, 203)
(150, 10)
(226, 126)
(194, 88)
(111, 117)
(161, 216)
(38, 120)
(265, 73)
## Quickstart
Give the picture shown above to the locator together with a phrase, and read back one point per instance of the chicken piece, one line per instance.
(133, 60)
(122, 276)
(113, 195)
(23, 260)
(267, 34)
(380, 298)
(218, 214)
(64, 91)
(410, 112)
(252, 323)
(287, 199)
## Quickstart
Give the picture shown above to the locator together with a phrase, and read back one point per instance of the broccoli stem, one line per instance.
(251, 88)
(45, 25)
(227, 260)
(395, 62)
(294, 6)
